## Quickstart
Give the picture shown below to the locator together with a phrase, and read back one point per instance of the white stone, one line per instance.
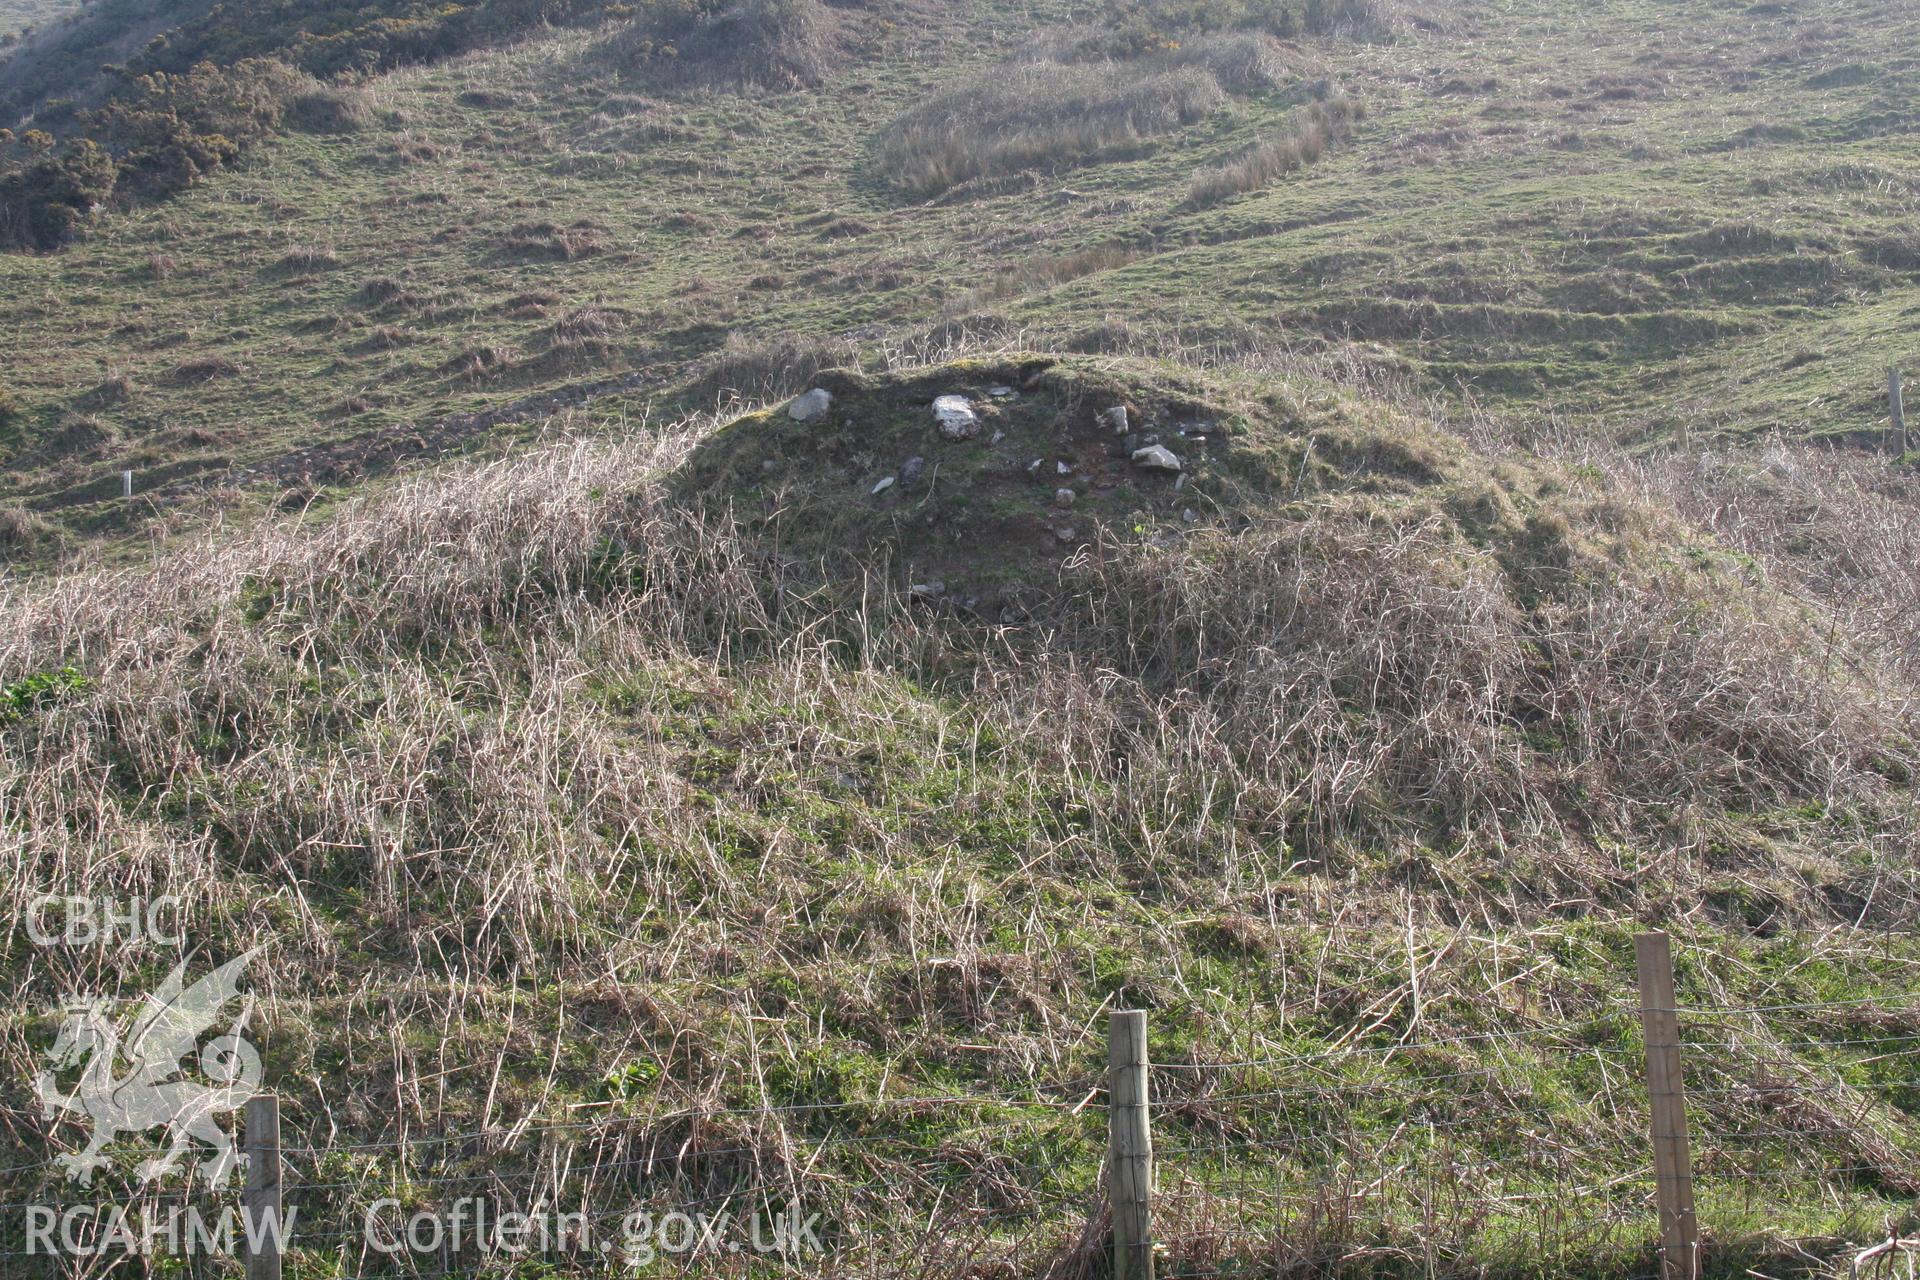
(958, 421)
(1065, 497)
(1116, 419)
(883, 486)
(811, 406)
(1156, 457)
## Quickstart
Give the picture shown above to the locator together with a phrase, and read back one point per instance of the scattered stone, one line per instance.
(911, 472)
(1064, 533)
(1156, 457)
(1065, 497)
(998, 436)
(1115, 419)
(1034, 465)
(928, 590)
(1189, 516)
(1064, 468)
(1002, 393)
(1181, 483)
(883, 486)
(769, 466)
(958, 421)
(811, 406)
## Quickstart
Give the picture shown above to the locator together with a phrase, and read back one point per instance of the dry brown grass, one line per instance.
(1040, 115)
(1241, 61)
(331, 109)
(1349, 679)
(1052, 270)
(547, 717)
(204, 369)
(757, 370)
(1306, 137)
(773, 44)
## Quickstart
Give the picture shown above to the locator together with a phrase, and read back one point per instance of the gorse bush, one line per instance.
(46, 196)
(161, 134)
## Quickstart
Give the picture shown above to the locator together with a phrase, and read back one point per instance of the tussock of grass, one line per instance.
(23, 531)
(749, 370)
(1242, 61)
(550, 240)
(1040, 115)
(774, 44)
(298, 261)
(1055, 269)
(204, 369)
(331, 109)
(1301, 141)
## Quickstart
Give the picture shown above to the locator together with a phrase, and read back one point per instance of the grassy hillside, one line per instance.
(1649, 249)
(658, 791)
(646, 772)
(19, 15)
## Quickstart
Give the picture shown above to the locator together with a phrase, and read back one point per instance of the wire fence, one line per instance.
(1515, 1151)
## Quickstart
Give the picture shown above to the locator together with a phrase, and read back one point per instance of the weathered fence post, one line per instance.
(1896, 401)
(261, 1218)
(1129, 1146)
(1666, 1091)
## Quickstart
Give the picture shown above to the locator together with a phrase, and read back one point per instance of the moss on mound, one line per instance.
(1049, 478)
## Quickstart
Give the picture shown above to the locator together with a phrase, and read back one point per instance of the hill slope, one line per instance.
(1650, 248)
(664, 732)
(1407, 519)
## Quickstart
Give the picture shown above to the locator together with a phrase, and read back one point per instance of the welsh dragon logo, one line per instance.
(146, 1094)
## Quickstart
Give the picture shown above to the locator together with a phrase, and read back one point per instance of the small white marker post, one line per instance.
(126, 484)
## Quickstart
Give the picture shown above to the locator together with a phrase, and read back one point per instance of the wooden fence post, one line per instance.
(1896, 401)
(261, 1217)
(1666, 1091)
(1129, 1146)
